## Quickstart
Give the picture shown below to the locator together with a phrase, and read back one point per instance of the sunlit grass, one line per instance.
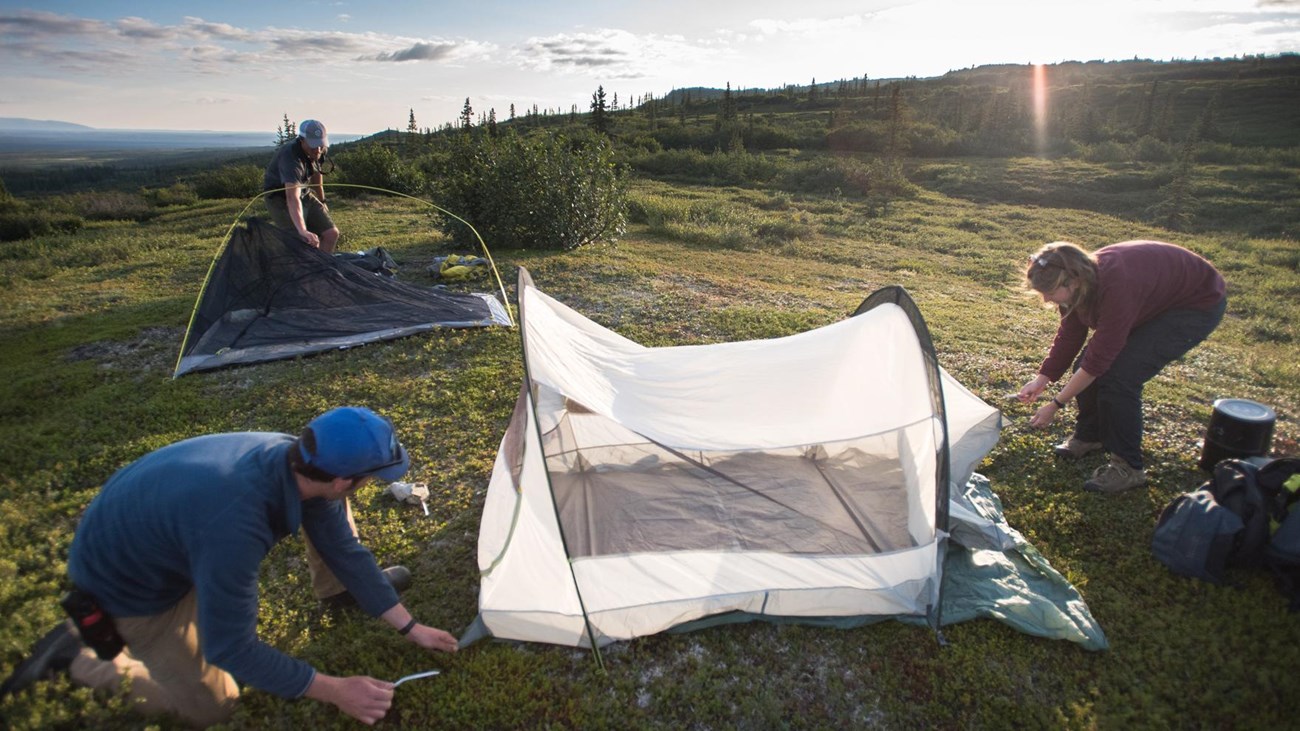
(90, 325)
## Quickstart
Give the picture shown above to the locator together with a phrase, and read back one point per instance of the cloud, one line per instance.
(437, 51)
(38, 23)
(140, 28)
(809, 26)
(48, 40)
(200, 28)
(611, 52)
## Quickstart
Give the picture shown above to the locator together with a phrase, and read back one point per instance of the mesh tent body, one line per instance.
(638, 489)
(269, 296)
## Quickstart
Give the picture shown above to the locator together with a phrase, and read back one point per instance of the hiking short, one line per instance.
(314, 213)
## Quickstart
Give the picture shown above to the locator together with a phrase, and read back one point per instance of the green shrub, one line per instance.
(230, 181)
(823, 174)
(379, 167)
(1150, 149)
(112, 205)
(546, 191)
(719, 168)
(177, 194)
(18, 222)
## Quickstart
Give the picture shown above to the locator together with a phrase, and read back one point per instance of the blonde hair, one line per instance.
(1058, 264)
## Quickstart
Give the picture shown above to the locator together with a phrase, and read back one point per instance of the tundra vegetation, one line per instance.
(702, 216)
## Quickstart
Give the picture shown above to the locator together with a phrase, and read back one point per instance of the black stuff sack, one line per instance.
(1282, 554)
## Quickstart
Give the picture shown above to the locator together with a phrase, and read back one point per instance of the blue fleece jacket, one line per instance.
(201, 514)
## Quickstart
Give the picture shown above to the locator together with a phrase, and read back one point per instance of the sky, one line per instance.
(362, 67)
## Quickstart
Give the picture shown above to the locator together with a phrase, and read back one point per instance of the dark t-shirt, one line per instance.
(290, 165)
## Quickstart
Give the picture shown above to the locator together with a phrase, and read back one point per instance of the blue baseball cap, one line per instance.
(314, 133)
(353, 441)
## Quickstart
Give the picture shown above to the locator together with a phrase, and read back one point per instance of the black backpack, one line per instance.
(1225, 524)
(1282, 554)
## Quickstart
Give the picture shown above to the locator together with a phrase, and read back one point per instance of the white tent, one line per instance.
(804, 477)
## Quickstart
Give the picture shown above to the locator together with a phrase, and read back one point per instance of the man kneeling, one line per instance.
(170, 549)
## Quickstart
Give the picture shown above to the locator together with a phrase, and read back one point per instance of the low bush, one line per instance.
(16, 226)
(112, 205)
(722, 168)
(177, 194)
(823, 174)
(378, 166)
(230, 181)
(19, 221)
(545, 191)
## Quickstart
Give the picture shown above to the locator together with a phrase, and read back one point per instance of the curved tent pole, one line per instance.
(897, 295)
(505, 299)
(189, 326)
(526, 280)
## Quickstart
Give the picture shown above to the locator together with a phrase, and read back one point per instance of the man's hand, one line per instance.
(309, 238)
(432, 638)
(363, 698)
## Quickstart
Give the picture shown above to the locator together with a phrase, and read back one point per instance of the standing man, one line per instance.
(297, 202)
(170, 551)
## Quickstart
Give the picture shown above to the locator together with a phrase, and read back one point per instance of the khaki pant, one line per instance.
(164, 662)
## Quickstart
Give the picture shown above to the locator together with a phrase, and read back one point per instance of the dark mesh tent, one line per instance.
(269, 296)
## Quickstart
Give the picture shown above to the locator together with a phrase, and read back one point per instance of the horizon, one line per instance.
(113, 65)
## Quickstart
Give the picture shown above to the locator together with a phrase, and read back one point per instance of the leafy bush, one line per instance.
(541, 191)
(230, 181)
(379, 167)
(723, 168)
(18, 222)
(177, 194)
(823, 174)
(1150, 149)
(112, 205)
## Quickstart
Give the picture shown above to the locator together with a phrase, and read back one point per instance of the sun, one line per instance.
(1040, 107)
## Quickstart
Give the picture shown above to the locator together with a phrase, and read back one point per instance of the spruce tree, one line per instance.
(411, 127)
(467, 116)
(599, 112)
(285, 132)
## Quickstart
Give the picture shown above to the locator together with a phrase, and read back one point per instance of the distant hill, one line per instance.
(19, 124)
(34, 136)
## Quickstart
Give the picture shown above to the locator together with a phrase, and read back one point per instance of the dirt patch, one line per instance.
(154, 349)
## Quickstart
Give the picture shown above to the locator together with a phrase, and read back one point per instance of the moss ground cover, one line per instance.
(90, 323)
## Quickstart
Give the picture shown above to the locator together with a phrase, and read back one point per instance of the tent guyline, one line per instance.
(267, 301)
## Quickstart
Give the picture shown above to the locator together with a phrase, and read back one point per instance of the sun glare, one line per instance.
(1040, 107)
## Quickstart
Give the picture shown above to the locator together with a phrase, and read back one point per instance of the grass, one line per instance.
(91, 323)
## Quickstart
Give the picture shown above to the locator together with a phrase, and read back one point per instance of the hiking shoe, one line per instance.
(1074, 448)
(399, 577)
(51, 655)
(1117, 476)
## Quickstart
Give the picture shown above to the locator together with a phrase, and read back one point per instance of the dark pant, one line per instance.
(1110, 410)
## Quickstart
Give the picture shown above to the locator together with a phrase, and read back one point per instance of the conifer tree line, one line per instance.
(986, 110)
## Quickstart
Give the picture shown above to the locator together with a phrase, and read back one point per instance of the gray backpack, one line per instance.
(1222, 525)
(1196, 536)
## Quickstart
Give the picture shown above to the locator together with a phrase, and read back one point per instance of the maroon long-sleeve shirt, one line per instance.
(1136, 282)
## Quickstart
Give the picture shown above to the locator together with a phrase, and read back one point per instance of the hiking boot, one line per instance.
(1075, 448)
(399, 577)
(1117, 476)
(51, 655)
